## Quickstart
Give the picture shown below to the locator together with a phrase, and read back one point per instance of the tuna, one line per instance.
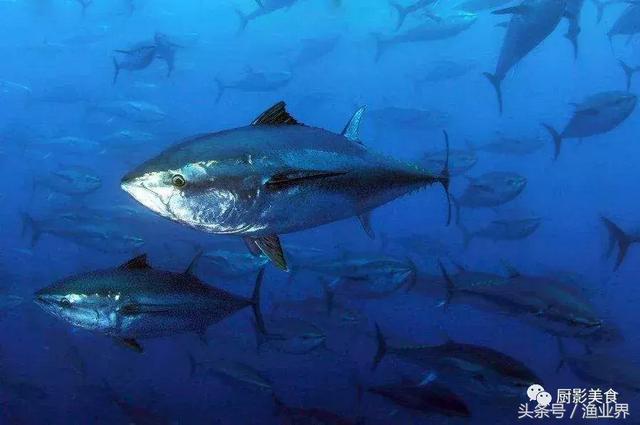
(70, 180)
(503, 230)
(273, 177)
(516, 146)
(134, 59)
(255, 82)
(480, 5)
(441, 29)
(532, 21)
(430, 398)
(104, 235)
(404, 11)
(495, 371)
(628, 23)
(135, 301)
(490, 190)
(573, 12)
(265, 7)
(597, 114)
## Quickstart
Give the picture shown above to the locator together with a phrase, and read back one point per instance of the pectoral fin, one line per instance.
(131, 344)
(251, 245)
(482, 187)
(270, 246)
(588, 111)
(296, 177)
(515, 10)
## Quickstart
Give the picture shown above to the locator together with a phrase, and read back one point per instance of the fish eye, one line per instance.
(178, 181)
(65, 302)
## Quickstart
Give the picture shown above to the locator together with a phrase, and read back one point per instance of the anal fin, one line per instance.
(365, 221)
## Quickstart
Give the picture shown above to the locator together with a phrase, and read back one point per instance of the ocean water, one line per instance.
(70, 129)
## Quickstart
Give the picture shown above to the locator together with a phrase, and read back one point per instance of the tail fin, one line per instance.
(381, 46)
(445, 176)
(29, 224)
(116, 67)
(600, 9)
(572, 36)
(381, 350)
(495, 82)
(450, 286)
(628, 72)
(557, 139)
(402, 13)
(244, 21)
(617, 235)
(221, 88)
(255, 303)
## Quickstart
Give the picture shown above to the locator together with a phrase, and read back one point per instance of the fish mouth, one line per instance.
(42, 300)
(127, 180)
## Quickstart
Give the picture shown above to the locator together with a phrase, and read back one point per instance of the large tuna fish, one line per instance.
(134, 59)
(480, 5)
(573, 12)
(255, 82)
(135, 301)
(492, 370)
(490, 190)
(272, 177)
(404, 11)
(597, 114)
(628, 23)
(439, 29)
(531, 23)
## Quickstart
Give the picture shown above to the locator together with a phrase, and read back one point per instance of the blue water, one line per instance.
(53, 373)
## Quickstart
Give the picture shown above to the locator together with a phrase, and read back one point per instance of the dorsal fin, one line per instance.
(137, 263)
(352, 129)
(194, 263)
(276, 115)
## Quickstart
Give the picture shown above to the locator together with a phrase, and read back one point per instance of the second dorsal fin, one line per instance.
(137, 263)
(194, 263)
(276, 115)
(352, 129)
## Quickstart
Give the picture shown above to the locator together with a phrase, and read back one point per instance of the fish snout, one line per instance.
(42, 298)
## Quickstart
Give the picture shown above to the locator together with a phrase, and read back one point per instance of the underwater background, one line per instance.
(87, 93)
